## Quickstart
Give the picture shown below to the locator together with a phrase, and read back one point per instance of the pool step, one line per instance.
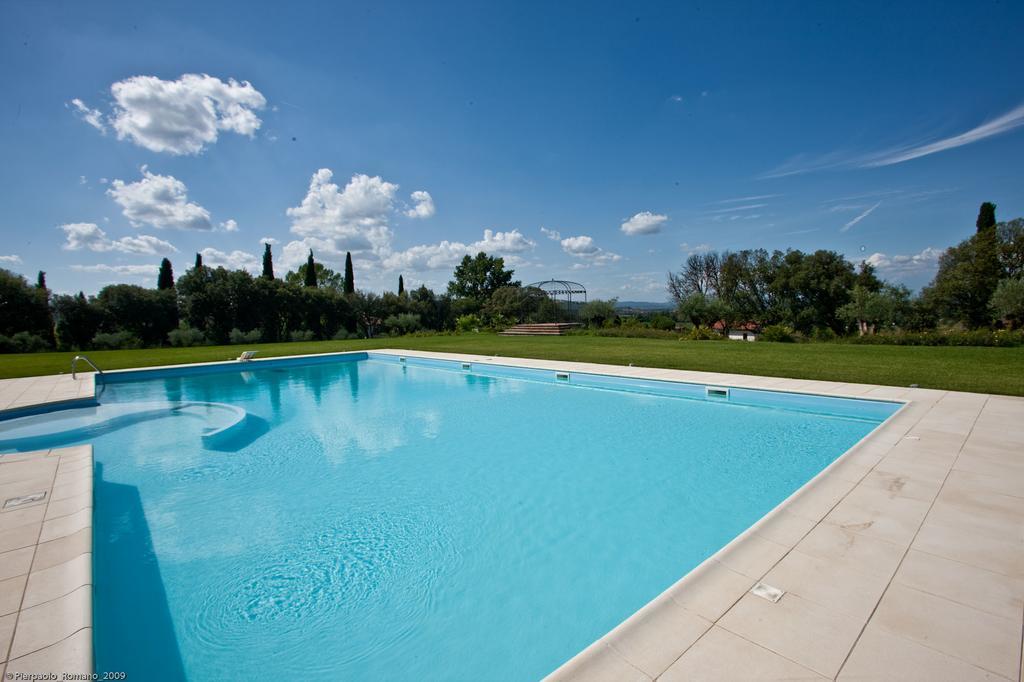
(540, 329)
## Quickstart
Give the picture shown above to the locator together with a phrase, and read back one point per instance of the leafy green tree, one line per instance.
(746, 284)
(479, 277)
(967, 277)
(147, 314)
(511, 305)
(986, 216)
(325, 277)
(1011, 247)
(1008, 301)
(810, 288)
(41, 280)
(866, 277)
(165, 279)
(703, 311)
(869, 310)
(77, 320)
(23, 308)
(199, 262)
(401, 285)
(268, 263)
(309, 276)
(350, 277)
(597, 312)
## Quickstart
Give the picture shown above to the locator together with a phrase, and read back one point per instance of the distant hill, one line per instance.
(643, 305)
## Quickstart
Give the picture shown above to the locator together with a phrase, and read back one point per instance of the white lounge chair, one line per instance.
(248, 355)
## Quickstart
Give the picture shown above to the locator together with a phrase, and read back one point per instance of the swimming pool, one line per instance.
(368, 517)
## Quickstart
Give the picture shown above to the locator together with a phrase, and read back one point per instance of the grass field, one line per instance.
(984, 370)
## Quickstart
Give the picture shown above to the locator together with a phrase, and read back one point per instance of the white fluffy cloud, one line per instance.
(553, 235)
(93, 117)
(160, 201)
(353, 219)
(583, 248)
(423, 205)
(12, 259)
(178, 116)
(229, 226)
(447, 254)
(130, 270)
(644, 222)
(90, 236)
(234, 260)
(905, 265)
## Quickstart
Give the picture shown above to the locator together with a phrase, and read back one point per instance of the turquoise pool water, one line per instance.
(374, 519)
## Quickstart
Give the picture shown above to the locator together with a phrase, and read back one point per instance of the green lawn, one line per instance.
(985, 370)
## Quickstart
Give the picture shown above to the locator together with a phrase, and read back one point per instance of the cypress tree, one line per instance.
(350, 283)
(165, 280)
(986, 216)
(401, 285)
(41, 280)
(310, 271)
(268, 263)
(199, 262)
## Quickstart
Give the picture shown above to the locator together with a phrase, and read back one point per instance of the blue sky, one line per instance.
(411, 134)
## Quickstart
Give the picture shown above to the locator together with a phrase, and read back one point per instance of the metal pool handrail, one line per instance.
(75, 360)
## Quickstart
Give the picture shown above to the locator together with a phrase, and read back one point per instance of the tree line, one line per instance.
(214, 305)
(979, 285)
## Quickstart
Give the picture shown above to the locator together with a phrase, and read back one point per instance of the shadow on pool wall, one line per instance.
(140, 616)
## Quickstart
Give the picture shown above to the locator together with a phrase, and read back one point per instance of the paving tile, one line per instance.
(710, 590)
(831, 583)
(983, 519)
(22, 536)
(600, 663)
(784, 528)
(861, 552)
(816, 500)
(902, 485)
(804, 632)
(7, 624)
(875, 513)
(982, 639)
(63, 549)
(882, 655)
(751, 555)
(68, 505)
(11, 591)
(16, 562)
(73, 655)
(66, 525)
(67, 490)
(57, 581)
(971, 548)
(46, 624)
(965, 584)
(721, 655)
(22, 516)
(657, 635)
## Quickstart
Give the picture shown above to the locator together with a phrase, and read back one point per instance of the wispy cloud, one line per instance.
(860, 217)
(733, 209)
(807, 163)
(997, 126)
(738, 200)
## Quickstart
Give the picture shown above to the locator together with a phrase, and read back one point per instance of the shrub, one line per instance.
(823, 334)
(949, 337)
(238, 336)
(185, 337)
(301, 335)
(115, 341)
(779, 333)
(23, 342)
(344, 334)
(627, 332)
(703, 333)
(663, 322)
(403, 323)
(467, 323)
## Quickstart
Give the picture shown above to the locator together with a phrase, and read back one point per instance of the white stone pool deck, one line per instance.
(903, 560)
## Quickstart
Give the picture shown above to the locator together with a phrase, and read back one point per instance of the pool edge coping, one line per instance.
(52, 625)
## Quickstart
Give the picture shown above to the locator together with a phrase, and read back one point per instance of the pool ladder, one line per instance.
(89, 362)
